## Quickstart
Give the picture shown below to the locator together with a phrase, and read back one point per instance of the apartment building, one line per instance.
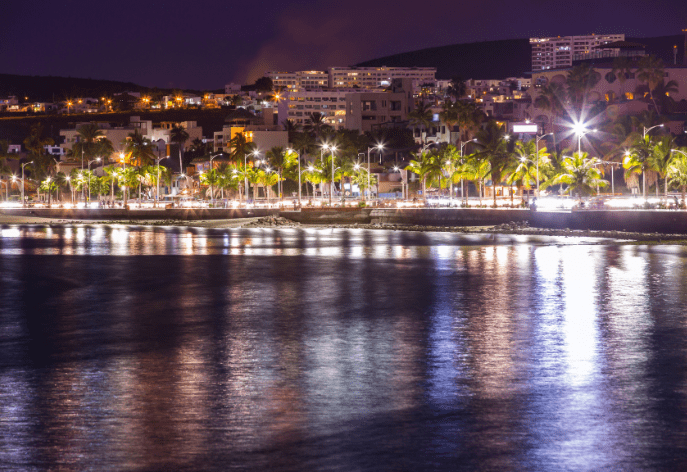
(300, 80)
(297, 106)
(558, 52)
(118, 134)
(368, 110)
(379, 77)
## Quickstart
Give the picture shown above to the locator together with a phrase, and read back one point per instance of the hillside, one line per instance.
(499, 59)
(48, 88)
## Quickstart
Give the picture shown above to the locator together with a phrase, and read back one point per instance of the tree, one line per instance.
(494, 145)
(316, 124)
(279, 158)
(660, 160)
(475, 168)
(650, 71)
(622, 67)
(457, 88)
(580, 80)
(179, 135)
(140, 149)
(677, 172)
(580, 174)
(240, 148)
(662, 94)
(421, 117)
(636, 159)
(449, 115)
(524, 168)
(35, 143)
(264, 84)
(426, 168)
(91, 144)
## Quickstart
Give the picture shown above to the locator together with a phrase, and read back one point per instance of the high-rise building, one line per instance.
(300, 80)
(559, 52)
(379, 77)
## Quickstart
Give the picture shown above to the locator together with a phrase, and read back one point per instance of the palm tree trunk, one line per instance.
(644, 184)
(665, 185)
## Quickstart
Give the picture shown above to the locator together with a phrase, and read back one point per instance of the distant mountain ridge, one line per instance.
(500, 59)
(49, 88)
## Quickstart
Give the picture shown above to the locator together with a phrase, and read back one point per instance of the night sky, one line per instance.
(204, 44)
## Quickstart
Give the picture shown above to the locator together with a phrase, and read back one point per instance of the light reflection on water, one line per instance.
(295, 349)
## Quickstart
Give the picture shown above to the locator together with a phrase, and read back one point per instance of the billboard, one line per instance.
(530, 128)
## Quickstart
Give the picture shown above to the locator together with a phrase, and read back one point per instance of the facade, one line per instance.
(265, 137)
(297, 106)
(558, 52)
(366, 111)
(378, 77)
(300, 80)
(118, 134)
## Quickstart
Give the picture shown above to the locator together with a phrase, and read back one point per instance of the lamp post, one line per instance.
(23, 204)
(331, 193)
(380, 148)
(646, 130)
(581, 132)
(212, 193)
(299, 174)
(255, 153)
(89, 177)
(537, 139)
(47, 186)
(157, 190)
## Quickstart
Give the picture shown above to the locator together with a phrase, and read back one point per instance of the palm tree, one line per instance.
(650, 71)
(525, 168)
(580, 80)
(663, 92)
(211, 179)
(316, 124)
(636, 159)
(421, 117)
(111, 173)
(425, 166)
(268, 180)
(494, 146)
(470, 117)
(449, 115)
(240, 148)
(456, 88)
(552, 98)
(580, 174)
(92, 142)
(475, 168)
(35, 143)
(140, 149)
(622, 67)
(661, 159)
(179, 135)
(677, 172)
(279, 158)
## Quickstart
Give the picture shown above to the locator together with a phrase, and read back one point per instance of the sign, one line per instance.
(530, 128)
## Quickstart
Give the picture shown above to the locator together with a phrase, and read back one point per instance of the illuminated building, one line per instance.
(558, 52)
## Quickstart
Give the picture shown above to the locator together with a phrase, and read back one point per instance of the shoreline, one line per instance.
(279, 222)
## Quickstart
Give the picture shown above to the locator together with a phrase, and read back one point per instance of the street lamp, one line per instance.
(380, 148)
(255, 153)
(97, 159)
(47, 180)
(23, 204)
(299, 173)
(332, 149)
(537, 139)
(581, 131)
(646, 130)
(212, 193)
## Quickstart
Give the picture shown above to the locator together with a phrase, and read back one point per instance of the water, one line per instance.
(130, 348)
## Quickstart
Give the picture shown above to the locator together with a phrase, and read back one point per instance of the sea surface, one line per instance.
(168, 348)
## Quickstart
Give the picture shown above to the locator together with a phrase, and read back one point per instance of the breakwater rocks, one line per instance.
(523, 228)
(271, 222)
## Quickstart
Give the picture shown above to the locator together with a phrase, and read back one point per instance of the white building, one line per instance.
(378, 77)
(300, 80)
(558, 52)
(297, 106)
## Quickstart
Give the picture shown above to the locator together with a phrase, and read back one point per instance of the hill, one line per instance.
(48, 88)
(499, 59)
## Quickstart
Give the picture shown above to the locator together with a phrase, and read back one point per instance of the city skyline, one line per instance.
(215, 43)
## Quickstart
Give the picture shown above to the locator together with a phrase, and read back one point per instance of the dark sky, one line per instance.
(204, 44)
